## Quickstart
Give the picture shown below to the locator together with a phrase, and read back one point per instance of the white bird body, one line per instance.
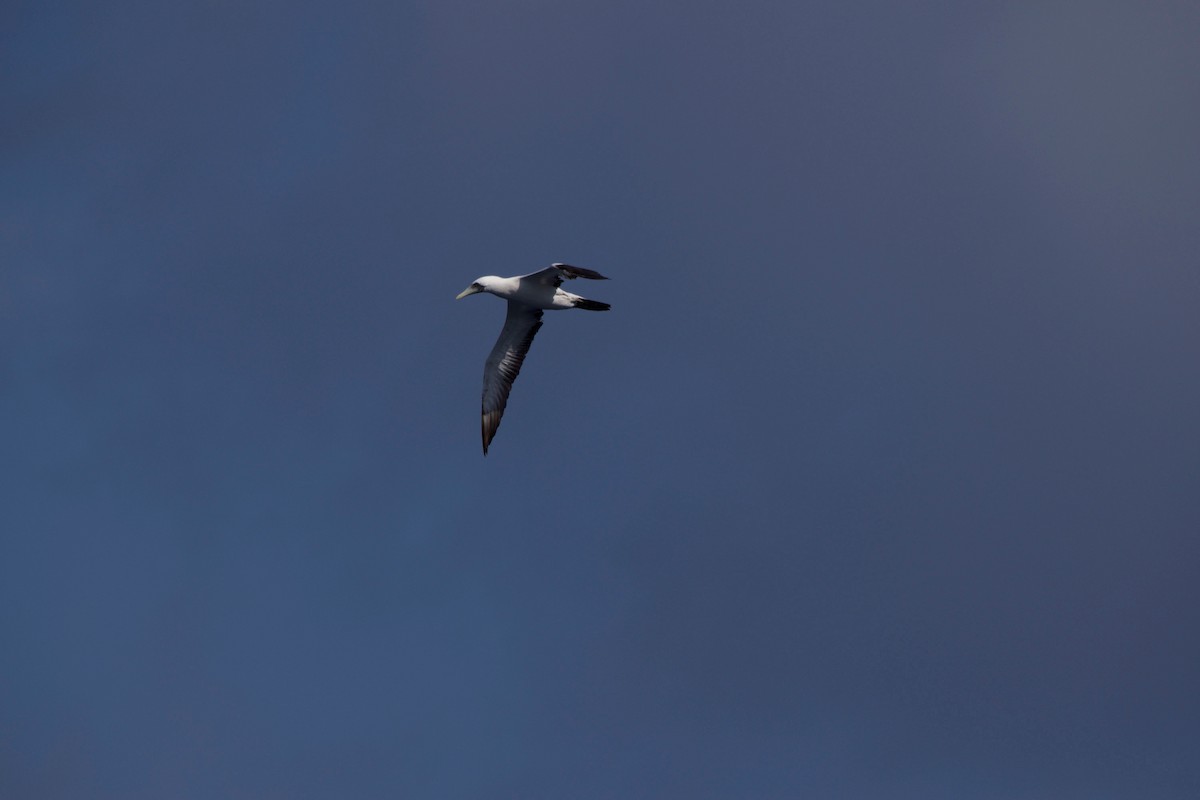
(528, 296)
(535, 294)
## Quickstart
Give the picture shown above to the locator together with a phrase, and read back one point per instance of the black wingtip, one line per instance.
(581, 272)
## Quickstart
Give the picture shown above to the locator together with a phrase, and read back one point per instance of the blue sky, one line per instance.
(879, 480)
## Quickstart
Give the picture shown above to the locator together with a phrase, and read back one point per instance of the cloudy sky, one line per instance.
(880, 480)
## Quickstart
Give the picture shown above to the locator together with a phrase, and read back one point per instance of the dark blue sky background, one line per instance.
(881, 479)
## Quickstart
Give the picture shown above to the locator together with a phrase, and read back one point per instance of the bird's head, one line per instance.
(483, 284)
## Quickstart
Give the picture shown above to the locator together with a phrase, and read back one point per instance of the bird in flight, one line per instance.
(527, 296)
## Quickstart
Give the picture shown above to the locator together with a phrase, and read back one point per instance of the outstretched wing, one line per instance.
(554, 274)
(504, 364)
